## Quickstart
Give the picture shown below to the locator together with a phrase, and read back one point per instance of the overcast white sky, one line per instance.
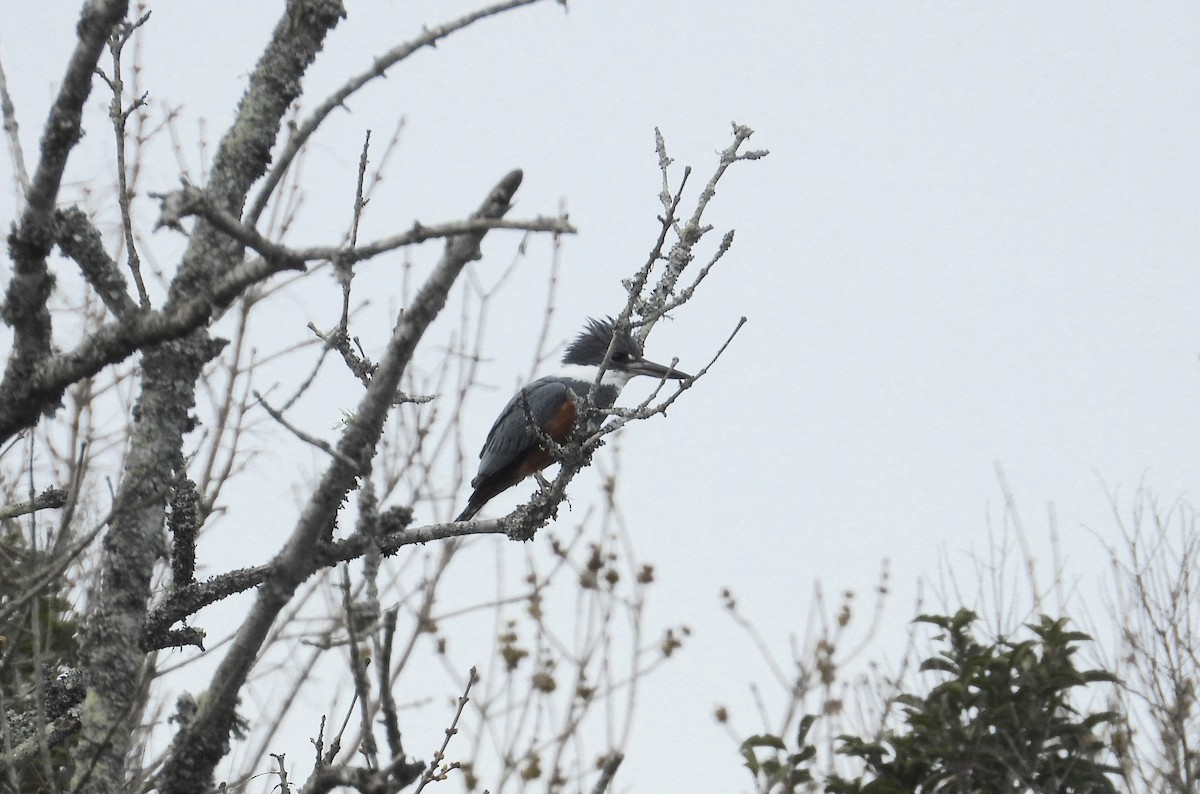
(974, 240)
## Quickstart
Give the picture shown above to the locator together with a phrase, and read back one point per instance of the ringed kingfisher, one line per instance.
(513, 449)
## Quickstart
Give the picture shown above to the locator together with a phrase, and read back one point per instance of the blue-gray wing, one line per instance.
(511, 436)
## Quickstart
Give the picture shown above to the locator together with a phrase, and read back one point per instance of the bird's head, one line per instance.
(589, 348)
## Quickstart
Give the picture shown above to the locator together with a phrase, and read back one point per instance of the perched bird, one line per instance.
(513, 449)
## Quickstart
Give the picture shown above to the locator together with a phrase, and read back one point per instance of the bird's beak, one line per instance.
(644, 367)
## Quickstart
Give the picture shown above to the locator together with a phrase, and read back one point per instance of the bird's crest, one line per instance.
(589, 347)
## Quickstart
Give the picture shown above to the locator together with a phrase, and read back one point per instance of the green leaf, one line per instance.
(1099, 676)
(806, 723)
(807, 754)
(764, 740)
(1099, 718)
(939, 663)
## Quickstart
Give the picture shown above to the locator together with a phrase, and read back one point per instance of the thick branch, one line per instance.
(392, 778)
(199, 746)
(49, 498)
(29, 244)
(79, 239)
(49, 735)
(170, 370)
(21, 401)
(189, 600)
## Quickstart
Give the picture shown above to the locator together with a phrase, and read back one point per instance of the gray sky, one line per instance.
(974, 240)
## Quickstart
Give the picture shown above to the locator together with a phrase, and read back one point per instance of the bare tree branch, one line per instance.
(111, 643)
(21, 401)
(48, 735)
(184, 603)
(79, 239)
(438, 768)
(148, 460)
(193, 201)
(690, 232)
(12, 133)
(200, 745)
(320, 444)
(607, 773)
(49, 498)
(29, 244)
(119, 115)
(429, 38)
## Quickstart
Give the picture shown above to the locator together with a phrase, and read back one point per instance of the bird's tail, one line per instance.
(470, 511)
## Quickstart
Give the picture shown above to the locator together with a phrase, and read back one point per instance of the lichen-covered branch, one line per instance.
(22, 401)
(80, 240)
(29, 243)
(49, 498)
(204, 741)
(189, 600)
(649, 303)
(692, 229)
(110, 644)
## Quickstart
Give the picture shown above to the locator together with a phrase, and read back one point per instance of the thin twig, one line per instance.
(387, 701)
(190, 200)
(336, 745)
(319, 747)
(320, 444)
(690, 232)
(345, 273)
(119, 116)
(438, 769)
(358, 190)
(12, 132)
(358, 672)
(307, 383)
(644, 411)
(281, 771)
(53, 572)
(304, 130)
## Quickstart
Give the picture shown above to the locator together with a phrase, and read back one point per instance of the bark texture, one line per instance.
(112, 641)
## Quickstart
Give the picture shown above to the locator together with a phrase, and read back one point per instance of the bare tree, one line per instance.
(1155, 577)
(1144, 723)
(142, 417)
